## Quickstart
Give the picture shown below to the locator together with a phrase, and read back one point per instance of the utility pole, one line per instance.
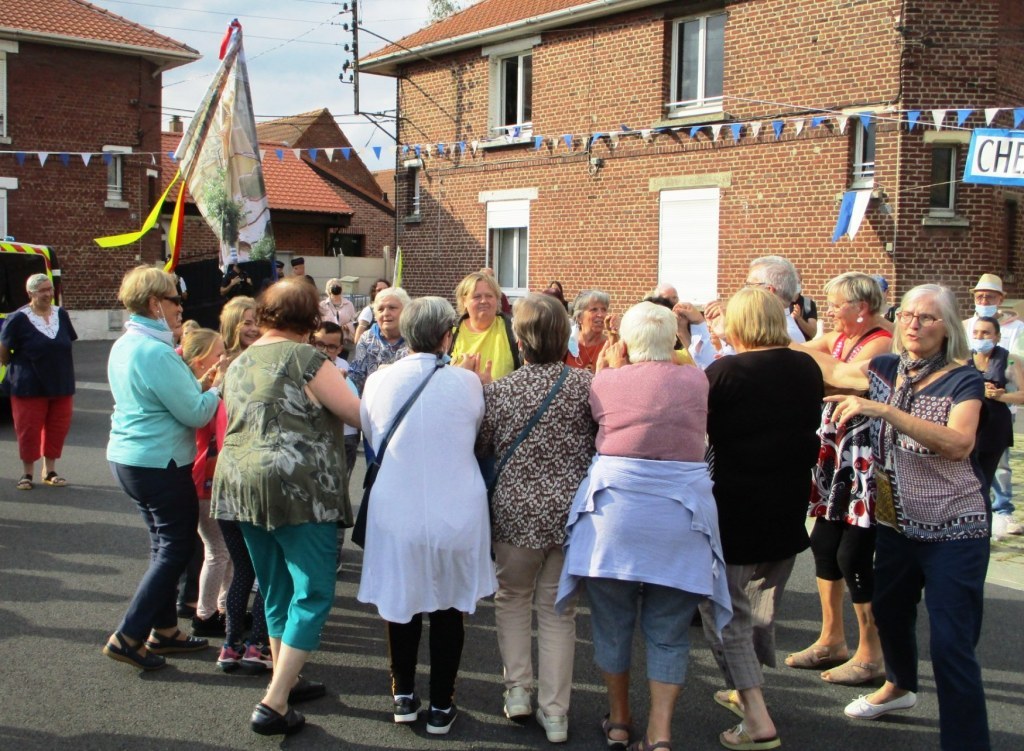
(353, 63)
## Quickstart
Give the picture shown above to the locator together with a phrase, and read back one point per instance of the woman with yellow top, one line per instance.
(483, 336)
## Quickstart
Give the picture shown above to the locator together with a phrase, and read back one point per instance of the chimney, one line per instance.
(176, 124)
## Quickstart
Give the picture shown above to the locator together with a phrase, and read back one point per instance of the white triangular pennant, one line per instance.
(843, 120)
(473, 145)
(42, 157)
(86, 158)
(755, 129)
(798, 126)
(330, 154)
(152, 158)
(263, 155)
(298, 153)
(715, 130)
(990, 114)
(938, 116)
(613, 140)
(645, 133)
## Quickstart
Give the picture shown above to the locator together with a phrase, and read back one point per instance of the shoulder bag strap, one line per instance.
(379, 455)
(533, 421)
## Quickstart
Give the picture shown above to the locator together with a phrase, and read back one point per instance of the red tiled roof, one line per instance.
(76, 21)
(489, 17)
(292, 184)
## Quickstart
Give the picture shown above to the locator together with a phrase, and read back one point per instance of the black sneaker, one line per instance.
(439, 722)
(214, 626)
(407, 708)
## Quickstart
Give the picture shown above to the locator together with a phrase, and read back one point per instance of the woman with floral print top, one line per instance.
(531, 504)
(280, 475)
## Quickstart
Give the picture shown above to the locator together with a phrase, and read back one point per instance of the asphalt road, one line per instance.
(70, 559)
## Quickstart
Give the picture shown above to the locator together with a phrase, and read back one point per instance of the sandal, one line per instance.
(164, 645)
(607, 726)
(730, 699)
(818, 656)
(854, 673)
(744, 742)
(25, 483)
(124, 652)
(52, 478)
(643, 745)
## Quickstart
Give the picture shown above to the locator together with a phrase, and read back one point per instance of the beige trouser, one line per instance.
(525, 577)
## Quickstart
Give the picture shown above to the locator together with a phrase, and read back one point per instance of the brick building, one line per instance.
(610, 144)
(78, 83)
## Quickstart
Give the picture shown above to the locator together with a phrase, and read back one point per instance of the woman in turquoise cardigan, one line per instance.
(158, 404)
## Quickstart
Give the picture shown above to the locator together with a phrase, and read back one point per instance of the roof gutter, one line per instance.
(165, 59)
(387, 65)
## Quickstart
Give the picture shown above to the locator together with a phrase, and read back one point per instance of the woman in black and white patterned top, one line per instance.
(932, 514)
(531, 503)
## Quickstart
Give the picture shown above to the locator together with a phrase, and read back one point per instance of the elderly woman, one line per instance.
(531, 504)
(992, 361)
(366, 315)
(933, 516)
(483, 336)
(280, 476)
(427, 538)
(337, 308)
(764, 409)
(842, 494)
(35, 345)
(383, 343)
(238, 326)
(643, 527)
(158, 404)
(590, 311)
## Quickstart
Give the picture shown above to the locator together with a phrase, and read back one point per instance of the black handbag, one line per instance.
(359, 529)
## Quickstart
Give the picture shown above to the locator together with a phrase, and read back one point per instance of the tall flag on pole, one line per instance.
(219, 159)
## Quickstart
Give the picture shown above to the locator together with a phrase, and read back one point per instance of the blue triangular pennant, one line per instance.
(568, 139)
(405, 149)
(865, 120)
(817, 120)
(65, 159)
(962, 115)
(376, 151)
(462, 148)
(537, 141)
(737, 129)
(1018, 116)
(346, 151)
(515, 132)
(777, 126)
(845, 213)
(912, 117)
(416, 149)
(19, 156)
(440, 149)
(280, 154)
(626, 128)
(313, 153)
(170, 155)
(695, 130)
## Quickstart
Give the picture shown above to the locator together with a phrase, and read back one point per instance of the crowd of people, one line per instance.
(663, 464)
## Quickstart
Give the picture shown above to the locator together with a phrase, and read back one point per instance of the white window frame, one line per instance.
(413, 195)
(497, 55)
(863, 161)
(510, 210)
(949, 210)
(6, 184)
(703, 104)
(115, 187)
(6, 48)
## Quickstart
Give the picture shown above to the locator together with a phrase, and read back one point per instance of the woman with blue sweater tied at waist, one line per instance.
(158, 404)
(643, 527)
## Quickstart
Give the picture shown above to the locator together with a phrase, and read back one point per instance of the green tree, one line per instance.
(441, 9)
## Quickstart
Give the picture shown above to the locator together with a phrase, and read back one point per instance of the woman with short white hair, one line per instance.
(643, 526)
(382, 344)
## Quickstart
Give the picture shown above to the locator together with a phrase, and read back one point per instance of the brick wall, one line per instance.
(71, 100)
(783, 59)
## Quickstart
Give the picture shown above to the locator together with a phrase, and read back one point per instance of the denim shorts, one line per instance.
(665, 614)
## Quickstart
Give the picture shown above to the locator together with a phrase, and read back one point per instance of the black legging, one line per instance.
(241, 586)
(843, 551)
(447, 635)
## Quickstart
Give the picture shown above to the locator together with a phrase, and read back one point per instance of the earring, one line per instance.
(860, 319)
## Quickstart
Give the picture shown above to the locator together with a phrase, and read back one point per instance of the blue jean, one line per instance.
(1002, 486)
(295, 566)
(665, 616)
(170, 510)
(952, 574)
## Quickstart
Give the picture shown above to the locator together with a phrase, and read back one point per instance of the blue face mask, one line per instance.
(984, 346)
(986, 311)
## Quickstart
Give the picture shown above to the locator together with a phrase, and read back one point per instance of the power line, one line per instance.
(233, 14)
(220, 32)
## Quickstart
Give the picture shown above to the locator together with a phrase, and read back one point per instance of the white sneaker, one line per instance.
(555, 727)
(1001, 525)
(1012, 527)
(862, 709)
(517, 703)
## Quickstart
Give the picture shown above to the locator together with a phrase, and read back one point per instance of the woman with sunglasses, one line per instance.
(158, 404)
(932, 515)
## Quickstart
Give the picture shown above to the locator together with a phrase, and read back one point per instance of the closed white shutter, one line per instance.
(504, 214)
(3, 214)
(688, 243)
(3, 93)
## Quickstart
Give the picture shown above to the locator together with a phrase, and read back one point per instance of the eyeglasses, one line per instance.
(173, 299)
(832, 307)
(327, 347)
(756, 284)
(924, 319)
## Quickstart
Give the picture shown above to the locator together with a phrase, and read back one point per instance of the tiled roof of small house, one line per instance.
(78, 23)
(292, 184)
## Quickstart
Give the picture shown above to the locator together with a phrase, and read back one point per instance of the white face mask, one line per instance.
(983, 346)
(986, 311)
